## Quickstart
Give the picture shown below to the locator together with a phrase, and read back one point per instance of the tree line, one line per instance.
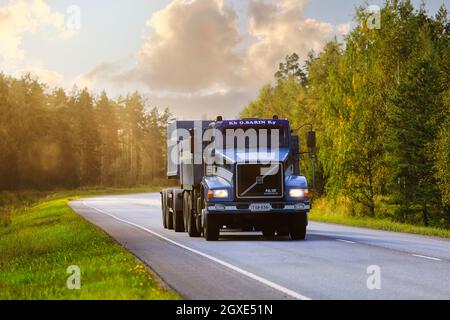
(54, 139)
(380, 102)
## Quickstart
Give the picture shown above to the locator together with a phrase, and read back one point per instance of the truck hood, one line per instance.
(252, 155)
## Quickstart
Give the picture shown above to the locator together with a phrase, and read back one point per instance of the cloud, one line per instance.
(197, 49)
(108, 72)
(279, 30)
(20, 17)
(344, 28)
(192, 47)
(202, 105)
(50, 77)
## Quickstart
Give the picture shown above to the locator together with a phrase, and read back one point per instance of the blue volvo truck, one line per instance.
(235, 174)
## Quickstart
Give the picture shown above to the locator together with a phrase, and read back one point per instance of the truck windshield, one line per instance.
(247, 137)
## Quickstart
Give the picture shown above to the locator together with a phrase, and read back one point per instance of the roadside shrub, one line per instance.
(8, 198)
(5, 216)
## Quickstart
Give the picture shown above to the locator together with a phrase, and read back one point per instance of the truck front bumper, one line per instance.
(238, 215)
(246, 208)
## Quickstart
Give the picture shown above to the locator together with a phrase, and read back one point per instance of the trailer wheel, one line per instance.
(211, 229)
(177, 216)
(169, 220)
(298, 226)
(178, 223)
(185, 209)
(189, 217)
(163, 208)
(169, 215)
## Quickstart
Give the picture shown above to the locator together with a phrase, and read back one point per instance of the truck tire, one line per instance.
(298, 226)
(200, 205)
(177, 215)
(185, 209)
(178, 223)
(211, 229)
(168, 214)
(163, 208)
(190, 224)
(169, 219)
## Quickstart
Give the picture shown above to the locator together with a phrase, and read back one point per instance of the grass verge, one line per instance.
(41, 242)
(325, 211)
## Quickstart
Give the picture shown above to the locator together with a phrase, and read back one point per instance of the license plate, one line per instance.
(259, 207)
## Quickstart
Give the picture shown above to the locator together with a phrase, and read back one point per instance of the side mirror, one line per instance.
(311, 140)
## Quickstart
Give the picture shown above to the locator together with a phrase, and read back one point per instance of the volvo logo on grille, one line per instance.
(255, 180)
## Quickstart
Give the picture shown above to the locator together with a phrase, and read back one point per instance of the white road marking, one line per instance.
(255, 277)
(346, 241)
(426, 257)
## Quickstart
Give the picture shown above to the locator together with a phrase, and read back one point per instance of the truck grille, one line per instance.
(259, 181)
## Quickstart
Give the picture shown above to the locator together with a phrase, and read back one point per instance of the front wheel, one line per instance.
(211, 229)
(298, 227)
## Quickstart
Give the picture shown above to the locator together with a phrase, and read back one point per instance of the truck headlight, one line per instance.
(218, 194)
(299, 193)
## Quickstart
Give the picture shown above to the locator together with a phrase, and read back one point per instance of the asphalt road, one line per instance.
(335, 262)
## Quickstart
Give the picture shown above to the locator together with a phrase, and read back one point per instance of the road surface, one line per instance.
(336, 262)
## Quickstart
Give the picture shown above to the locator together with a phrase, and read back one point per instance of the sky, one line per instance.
(200, 58)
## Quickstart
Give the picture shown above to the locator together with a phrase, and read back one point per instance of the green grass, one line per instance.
(41, 242)
(26, 198)
(326, 211)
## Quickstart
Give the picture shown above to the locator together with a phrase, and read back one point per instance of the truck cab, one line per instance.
(237, 174)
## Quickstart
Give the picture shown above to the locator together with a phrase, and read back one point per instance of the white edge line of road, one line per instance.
(426, 257)
(414, 255)
(248, 274)
(346, 241)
